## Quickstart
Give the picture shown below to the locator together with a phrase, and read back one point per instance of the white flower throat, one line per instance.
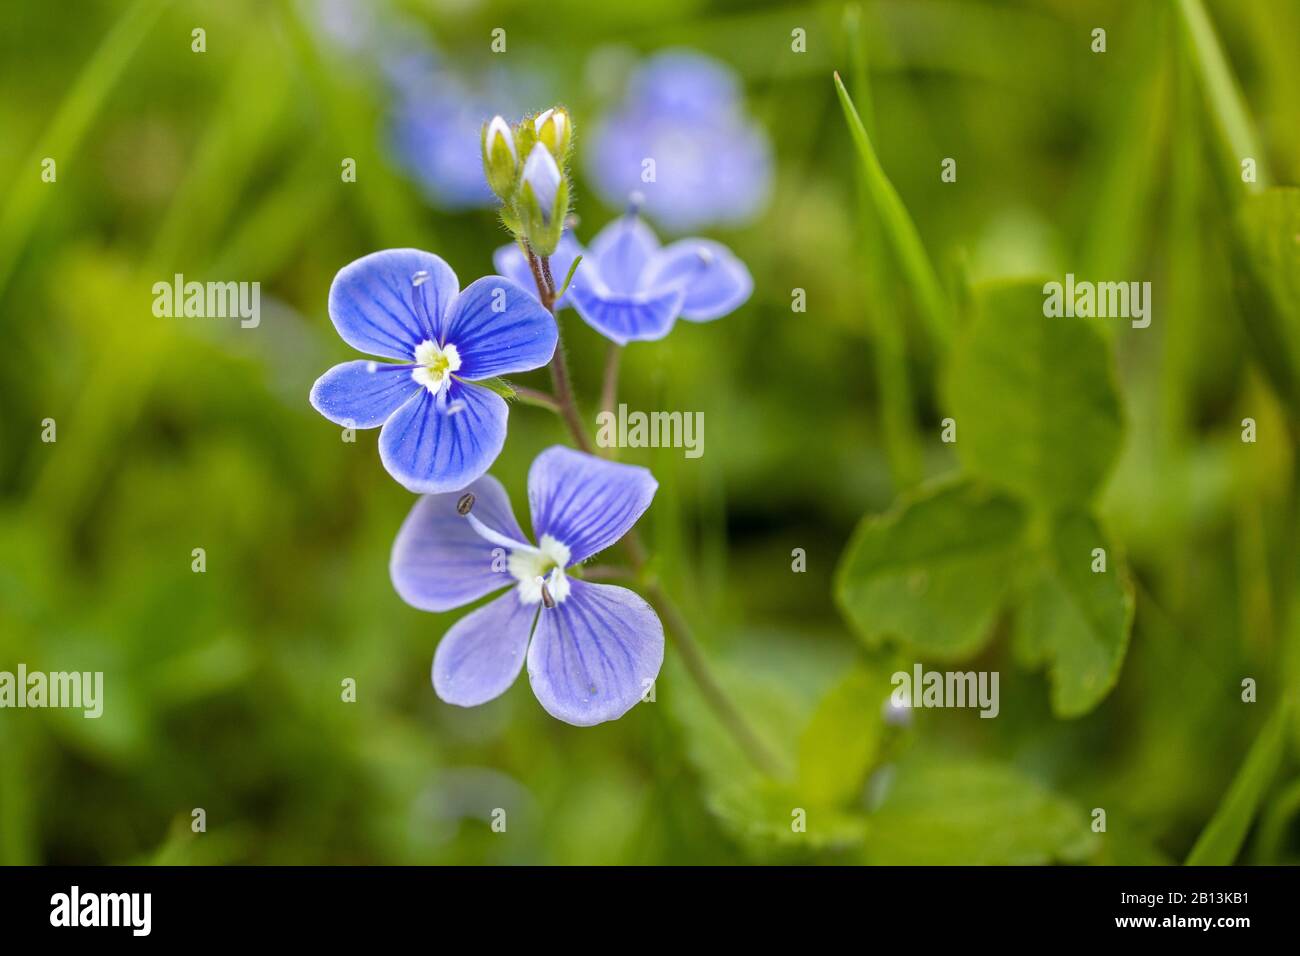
(434, 365)
(545, 563)
(532, 567)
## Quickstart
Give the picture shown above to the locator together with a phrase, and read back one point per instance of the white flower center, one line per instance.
(435, 365)
(546, 563)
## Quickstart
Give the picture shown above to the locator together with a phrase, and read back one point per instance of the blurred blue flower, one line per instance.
(594, 649)
(629, 288)
(711, 165)
(436, 121)
(440, 429)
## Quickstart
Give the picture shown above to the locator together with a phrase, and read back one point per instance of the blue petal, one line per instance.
(498, 328)
(510, 261)
(621, 251)
(714, 280)
(362, 393)
(482, 654)
(439, 562)
(377, 307)
(625, 318)
(438, 445)
(584, 501)
(595, 654)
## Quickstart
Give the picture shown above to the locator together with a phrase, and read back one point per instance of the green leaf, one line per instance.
(500, 386)
(1075, 618)
(573, 267)
(1267, 263)
(933, 571)
(1221, 840)
(1034, 399)
(941, 812)
(842, 739)
(779, 681)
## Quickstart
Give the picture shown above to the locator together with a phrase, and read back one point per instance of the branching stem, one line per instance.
(693, 656)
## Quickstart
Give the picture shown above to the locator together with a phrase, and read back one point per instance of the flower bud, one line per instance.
(554, 131)
(500, 164)
(543, 200)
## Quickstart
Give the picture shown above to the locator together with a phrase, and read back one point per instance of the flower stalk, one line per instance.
(693, 656)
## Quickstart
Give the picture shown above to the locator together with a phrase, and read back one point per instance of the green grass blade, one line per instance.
(1237, 136)
(897, 415)
(1221, 840)
(71, 120)
(898, 228)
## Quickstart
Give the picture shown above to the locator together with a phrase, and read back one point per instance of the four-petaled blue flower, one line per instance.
(595, 649)
(629, 288)
(441, 431)
(683, 113)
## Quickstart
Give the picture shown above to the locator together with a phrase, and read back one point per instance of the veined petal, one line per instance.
(595, 654)
(585, 502)
(621, 250)
(435, 445)
(498, 328)
(483, 652)
(389, 302)
(625, 318)
(440, 562)
(714, 280)
(510, 261)
(362, 393)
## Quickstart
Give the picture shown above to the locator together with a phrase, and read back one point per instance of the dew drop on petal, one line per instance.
(420, 278)
(372, 367)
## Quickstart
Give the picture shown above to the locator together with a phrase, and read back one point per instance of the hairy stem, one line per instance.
(564, 398)
(535, 396)
(609, 388)
(697, 665)
(607, 572)
(693, 656)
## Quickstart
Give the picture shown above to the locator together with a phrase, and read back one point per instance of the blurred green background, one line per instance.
(222, 689)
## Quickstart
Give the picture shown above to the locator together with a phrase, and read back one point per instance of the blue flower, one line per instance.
(628, 288)
(440, 429)
(592, 649)
(711, 165)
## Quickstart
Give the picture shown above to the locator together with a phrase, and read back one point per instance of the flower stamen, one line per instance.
(434, 365)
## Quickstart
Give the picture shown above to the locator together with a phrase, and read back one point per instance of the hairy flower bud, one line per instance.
(554, 131)
(543, 200)
(500, 162)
